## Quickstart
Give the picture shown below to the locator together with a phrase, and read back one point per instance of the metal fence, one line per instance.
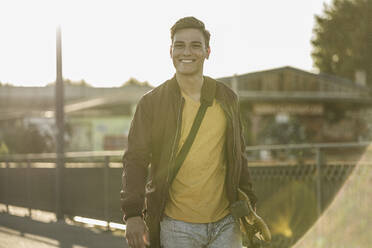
(90, 183)
(294, 184)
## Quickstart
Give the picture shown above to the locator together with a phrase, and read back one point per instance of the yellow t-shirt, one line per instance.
(197, 194)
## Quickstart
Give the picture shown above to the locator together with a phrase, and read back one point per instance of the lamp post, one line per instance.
(59, 119)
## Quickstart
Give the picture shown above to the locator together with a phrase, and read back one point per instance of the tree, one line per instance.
(342, 42)
(133, 81)
(5, 84)
(82, 82)
(3, 148)
(21, 138)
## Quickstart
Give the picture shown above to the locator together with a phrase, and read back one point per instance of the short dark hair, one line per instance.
(191, 22)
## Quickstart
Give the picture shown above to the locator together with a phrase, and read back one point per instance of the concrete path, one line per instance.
(23, 232)
(347, 222)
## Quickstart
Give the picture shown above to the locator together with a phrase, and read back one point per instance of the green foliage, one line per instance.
(3, 148)
(274, 133)
(342, 42)
(20, 138)
(133, 81)
(291, 132)
(73, 83)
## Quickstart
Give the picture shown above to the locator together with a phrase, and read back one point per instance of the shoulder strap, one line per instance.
(208, 92)
(190, 139)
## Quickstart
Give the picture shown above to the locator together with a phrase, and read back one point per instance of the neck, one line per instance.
(191, 85)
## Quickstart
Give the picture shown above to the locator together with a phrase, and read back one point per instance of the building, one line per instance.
(288, 105)
(96, 118)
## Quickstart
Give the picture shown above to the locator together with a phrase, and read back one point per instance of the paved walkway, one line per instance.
(23, 232)
(345, 223)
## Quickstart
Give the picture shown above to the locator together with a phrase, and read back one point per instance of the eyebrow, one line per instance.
(194, 42)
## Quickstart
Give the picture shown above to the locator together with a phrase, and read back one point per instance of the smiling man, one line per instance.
(188, 206)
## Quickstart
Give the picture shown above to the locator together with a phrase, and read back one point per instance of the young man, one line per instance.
(193, 209)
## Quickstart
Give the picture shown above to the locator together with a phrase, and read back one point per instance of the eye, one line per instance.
(178, 46)
(196, 46)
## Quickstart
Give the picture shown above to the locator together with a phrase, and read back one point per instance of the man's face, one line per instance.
(188, 51)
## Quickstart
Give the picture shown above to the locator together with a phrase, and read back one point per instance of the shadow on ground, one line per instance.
(18, 231)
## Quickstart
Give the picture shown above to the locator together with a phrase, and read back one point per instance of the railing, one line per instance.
(298, 181)
(294, 185)
(90, 183)
(359, 97)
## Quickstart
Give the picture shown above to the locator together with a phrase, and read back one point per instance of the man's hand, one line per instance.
(136, 233)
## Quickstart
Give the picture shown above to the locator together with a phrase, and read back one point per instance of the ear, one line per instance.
(208, 52)
(170, 51)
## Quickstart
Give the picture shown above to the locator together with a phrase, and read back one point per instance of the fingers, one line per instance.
(129, 239)
(135, 241)
(136, 233)
(146, 238)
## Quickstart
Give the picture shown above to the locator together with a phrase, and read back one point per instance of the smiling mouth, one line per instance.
(187, 60)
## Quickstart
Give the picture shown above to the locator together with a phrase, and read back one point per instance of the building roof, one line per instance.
(292, 84)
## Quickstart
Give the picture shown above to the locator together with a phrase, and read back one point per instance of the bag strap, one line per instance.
(208, 93)
(190, 139)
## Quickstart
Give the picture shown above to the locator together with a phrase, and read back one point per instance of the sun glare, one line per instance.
(95, 222)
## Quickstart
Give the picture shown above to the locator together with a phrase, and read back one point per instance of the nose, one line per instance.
(187, 50)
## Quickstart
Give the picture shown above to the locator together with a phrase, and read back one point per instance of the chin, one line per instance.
(188, 72)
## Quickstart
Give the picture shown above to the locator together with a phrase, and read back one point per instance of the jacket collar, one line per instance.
(208, 90)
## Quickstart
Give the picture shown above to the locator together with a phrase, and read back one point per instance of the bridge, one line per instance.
(294, 194)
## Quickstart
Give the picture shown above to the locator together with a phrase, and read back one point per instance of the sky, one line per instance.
(110, 41)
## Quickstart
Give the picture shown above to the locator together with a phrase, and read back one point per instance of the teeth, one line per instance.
(186, 60)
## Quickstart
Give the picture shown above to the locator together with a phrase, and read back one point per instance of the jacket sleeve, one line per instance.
(245, 183)
(136, 160)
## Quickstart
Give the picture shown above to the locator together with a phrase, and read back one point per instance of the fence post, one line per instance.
(28, 183)
(106, 190)
(319, 164)
(7, 168)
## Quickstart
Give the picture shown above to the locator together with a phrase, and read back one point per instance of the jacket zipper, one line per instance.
(176, 137)
(178, 129)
